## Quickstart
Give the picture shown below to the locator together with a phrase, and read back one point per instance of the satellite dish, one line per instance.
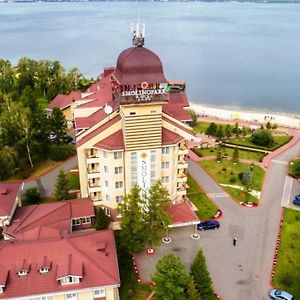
(108, 109)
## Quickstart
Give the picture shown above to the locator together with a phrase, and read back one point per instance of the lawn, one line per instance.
(278, 142)
(287, 272)
(74, 181)
(206, 208)
(226, 151)
(228, 173)
(130, 288)
(240, 195)
(201, 127)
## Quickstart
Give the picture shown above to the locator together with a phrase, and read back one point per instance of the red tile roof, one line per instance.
(138, 64)
(72, 267)
(100, 268)
(3, 275)
(47, 220)
(182, 213)
(98, 130)
(176, 112)
(178, 125)
(170, 138)
(63, 101)
(87, 122)
(179, 99)
(112, 142)
(8, 194)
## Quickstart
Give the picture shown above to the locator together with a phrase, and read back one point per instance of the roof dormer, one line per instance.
(3, 278)
(23, 268)
(44, 266)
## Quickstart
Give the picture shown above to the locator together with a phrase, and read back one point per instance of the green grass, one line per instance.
(74, 181)
(201, 127)
(294, 167)
(240, 195)
(278, 142)
(130, 288)
(224, 171)
(206, 208)
(226, 151)
(287, 272)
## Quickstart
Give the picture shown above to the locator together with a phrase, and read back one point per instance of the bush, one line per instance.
(32, 196)
(262, 137)
(232, 179)
(62, 152)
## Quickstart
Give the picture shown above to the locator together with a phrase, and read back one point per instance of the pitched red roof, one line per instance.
(138, 64)
(8, 194)
(98, 130)
(72, 267)
(112, 142)
(63, 101)
(176, 112)
(100, 268)
(179, 99)
(87, 122)
(182, 213)
(3, 275)
(170, 137)
(178, 125)
(47, 220)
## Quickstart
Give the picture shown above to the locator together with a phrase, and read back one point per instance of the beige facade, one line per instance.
(107, 175)
(95, 293)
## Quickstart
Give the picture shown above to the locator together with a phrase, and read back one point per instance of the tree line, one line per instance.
(27, 135)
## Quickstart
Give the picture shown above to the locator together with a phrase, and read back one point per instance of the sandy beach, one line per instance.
(281, 119)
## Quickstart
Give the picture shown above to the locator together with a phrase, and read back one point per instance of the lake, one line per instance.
(244, 55)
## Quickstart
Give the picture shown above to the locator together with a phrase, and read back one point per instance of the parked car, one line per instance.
(280, 295)
(210, 224)
(296, 201)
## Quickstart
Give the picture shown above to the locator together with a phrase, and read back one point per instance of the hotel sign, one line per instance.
(144, 171)
(143, 95)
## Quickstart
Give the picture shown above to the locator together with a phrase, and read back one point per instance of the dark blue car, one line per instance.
(210, 224)
(296, 200)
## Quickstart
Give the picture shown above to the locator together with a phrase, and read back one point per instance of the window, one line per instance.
(119, 199)
(165, 179)
(22, 273)
(118, 214)
(105, 169)
(1, 289)
(165, 165)
(107, 211)
(86, 220)
(76, 222)
(69, 280)
(43, 270)
(104, 154)
(107, 198)
(106, 183)
(133, 168)
(117, 155)
(71, 296)
(165, 150)
(119, 184)
(153, 111)
(99, 293)
(93, 166)
(118, 170)
(132, 113)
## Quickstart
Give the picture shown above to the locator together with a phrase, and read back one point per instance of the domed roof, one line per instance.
(138, 64)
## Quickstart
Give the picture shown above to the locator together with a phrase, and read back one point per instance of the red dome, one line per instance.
(138, 64)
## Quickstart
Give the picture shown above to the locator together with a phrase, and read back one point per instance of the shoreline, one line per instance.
(254, 116)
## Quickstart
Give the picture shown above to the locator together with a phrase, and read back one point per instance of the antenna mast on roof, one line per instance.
(138, 33)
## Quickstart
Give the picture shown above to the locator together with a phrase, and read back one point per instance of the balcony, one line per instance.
(182, 179)
(93, 174)
(92, 160)
(94, 189)
(182, 164)
(183, 151)
(181, 191)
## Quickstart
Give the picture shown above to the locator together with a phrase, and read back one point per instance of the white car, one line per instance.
(280, 295)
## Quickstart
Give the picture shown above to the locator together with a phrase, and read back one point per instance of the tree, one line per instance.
(170, 278)
(228, 131)
(244, 131)
(236, 129)
(262, 137)
(219, 156)
(62, 186)
(8, 162)
(102, 220)
(32, 196)
(58, 126)
(6, 76)
(133, 231)
(157, 219)
(192, 292)
(201, 276)
(235, 155)
(247, 179)
(193, 115)
(268, 126)
(212, 129)
(220, 132)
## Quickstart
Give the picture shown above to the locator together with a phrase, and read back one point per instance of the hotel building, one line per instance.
(132, 128)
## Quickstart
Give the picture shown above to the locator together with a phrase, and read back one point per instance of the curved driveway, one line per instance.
(243, 272)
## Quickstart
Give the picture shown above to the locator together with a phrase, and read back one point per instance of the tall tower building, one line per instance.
(132, 129)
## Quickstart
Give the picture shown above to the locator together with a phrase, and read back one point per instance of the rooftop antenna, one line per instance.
(138, 32)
